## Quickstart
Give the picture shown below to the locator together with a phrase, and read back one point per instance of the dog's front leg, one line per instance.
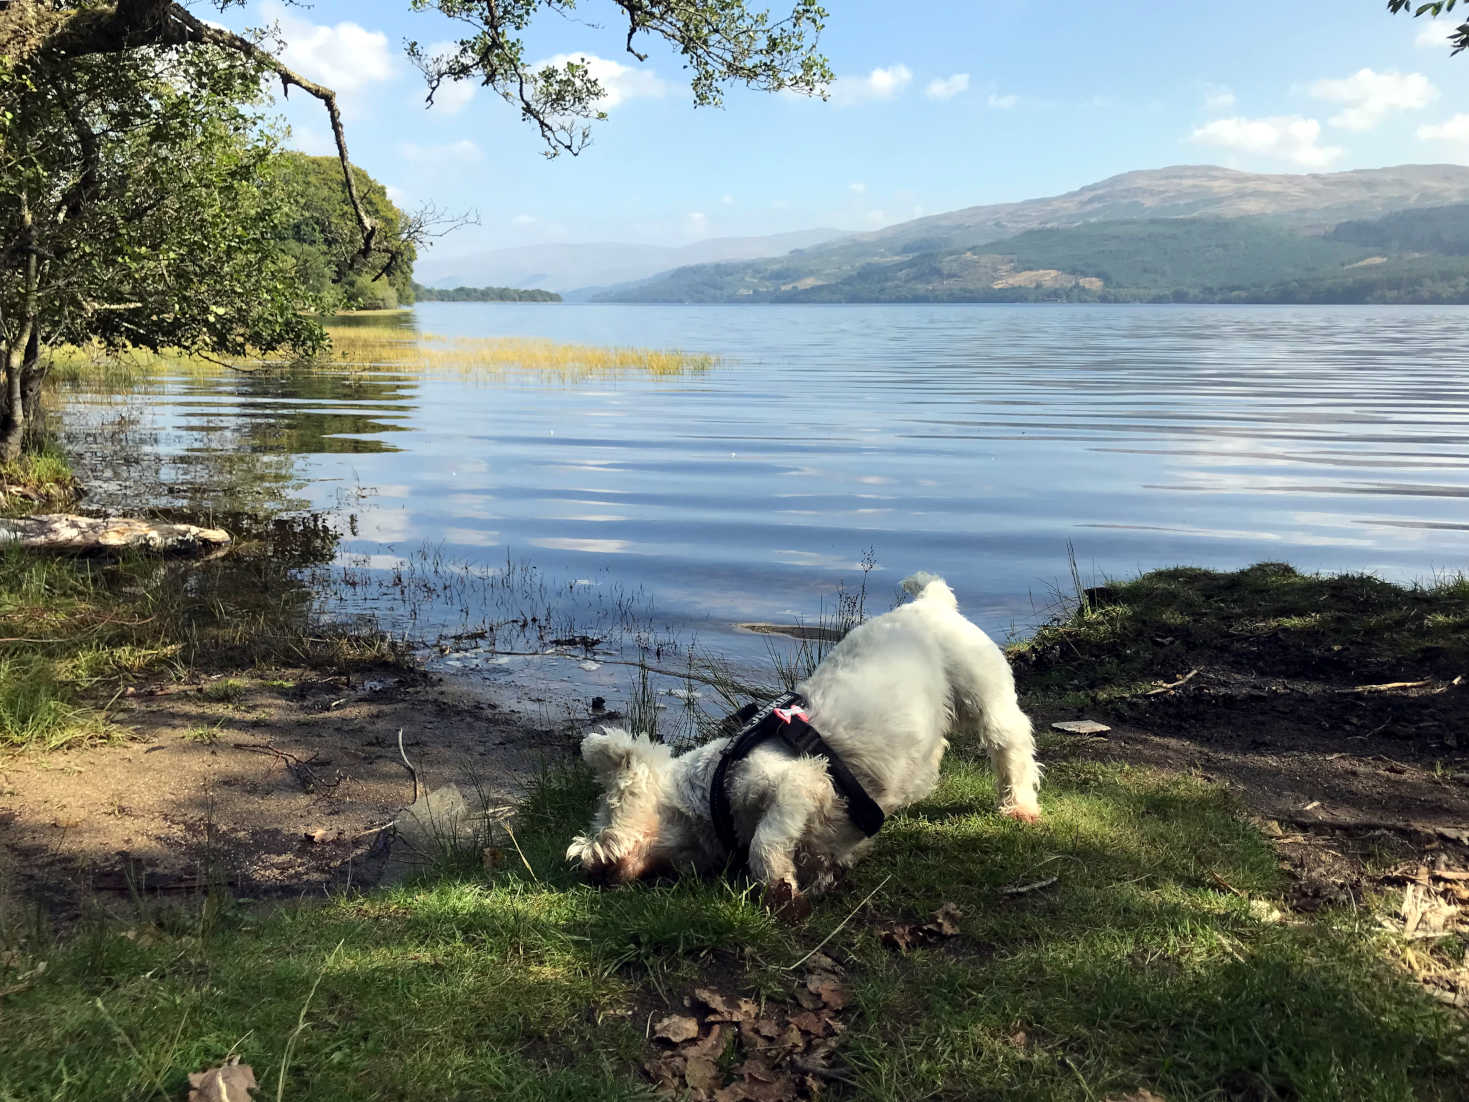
(773, 847)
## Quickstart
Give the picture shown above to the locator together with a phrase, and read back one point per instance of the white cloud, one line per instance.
(947, 87)
(727, 200)
(399, 197)
(998, 102)
(619, 82)
(697, 222)
(345, 57)
(880, 84)
(1369, 96)
(1284, 137)
(857, 186)
(1455, 129)
(463, 151)
(1435, 35)
(523, 220)
(1218, 97)
(311, 141)
(451, 96)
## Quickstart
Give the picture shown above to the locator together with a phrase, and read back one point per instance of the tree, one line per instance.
(1458, 37)
(138, 205)
(321, 235)
(92, 74)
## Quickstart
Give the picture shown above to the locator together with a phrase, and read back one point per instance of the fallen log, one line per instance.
(71, 534)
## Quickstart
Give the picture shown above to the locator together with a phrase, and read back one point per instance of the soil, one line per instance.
(277, 793)
(1352, 781)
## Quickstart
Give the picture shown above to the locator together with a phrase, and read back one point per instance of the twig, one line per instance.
(301, 770)
(1184, 680)
(1226, 885)
(518, 850)
(1387, 686)
(1034, 886)
(411, 771)
(839, 925)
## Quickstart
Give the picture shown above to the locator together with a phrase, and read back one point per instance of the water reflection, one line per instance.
(975, 441)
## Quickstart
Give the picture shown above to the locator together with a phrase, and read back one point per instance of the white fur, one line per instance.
(885, 700)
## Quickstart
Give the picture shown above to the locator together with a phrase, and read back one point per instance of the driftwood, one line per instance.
(66, 532)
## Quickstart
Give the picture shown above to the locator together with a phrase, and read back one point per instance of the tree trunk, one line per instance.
(23, 345)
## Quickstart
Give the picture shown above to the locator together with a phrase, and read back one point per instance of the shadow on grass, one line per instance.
(1136, 968)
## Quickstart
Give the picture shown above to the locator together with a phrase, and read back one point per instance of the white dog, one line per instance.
(883, 701)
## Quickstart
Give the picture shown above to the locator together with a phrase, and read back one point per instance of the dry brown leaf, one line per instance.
(711, 1044)
(829, 991)
(1019, 1039)
(702, 1074)
(719, 1008)
(808, 999)
(1140, 1095)
(902, 936)
(676, 1028)
(226, 1083)
(808, 1021)
(946, 920)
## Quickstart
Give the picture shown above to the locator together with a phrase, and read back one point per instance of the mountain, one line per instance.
(567, 267)
(890, 264)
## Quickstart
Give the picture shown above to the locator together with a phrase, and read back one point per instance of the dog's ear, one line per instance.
(608, 751)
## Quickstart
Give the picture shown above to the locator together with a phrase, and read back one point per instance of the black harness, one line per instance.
(784, 719)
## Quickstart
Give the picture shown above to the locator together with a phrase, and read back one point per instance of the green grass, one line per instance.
(74, 633)
(43, 477)
(1135, 969)
(1266, 618)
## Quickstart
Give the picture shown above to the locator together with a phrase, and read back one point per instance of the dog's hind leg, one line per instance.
(1006, 734)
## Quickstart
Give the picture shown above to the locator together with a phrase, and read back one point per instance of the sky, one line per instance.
(936, 106)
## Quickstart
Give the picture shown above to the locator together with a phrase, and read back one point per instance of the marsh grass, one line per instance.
(1134, 970)
(43, 478)
(356, 347)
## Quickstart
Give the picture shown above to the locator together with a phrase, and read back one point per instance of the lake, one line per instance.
(976, 441)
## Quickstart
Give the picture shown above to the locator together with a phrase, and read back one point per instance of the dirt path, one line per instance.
(274, 785)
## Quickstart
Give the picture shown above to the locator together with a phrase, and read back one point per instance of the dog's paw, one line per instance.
(786, 902)
(1023, 814)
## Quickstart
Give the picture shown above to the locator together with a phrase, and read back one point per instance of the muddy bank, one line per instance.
(271, 784)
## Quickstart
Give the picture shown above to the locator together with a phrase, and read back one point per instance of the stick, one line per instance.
(1184, 680)
(1035, 886)
(523, 861)
(839, 925)
(411, 771)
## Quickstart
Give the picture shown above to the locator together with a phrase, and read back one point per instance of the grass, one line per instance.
(74, 633)
(370, 346)
(1267, 617)
(1134, 970)
(39, 478)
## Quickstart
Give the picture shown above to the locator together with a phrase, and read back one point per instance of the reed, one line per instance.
(359, 347)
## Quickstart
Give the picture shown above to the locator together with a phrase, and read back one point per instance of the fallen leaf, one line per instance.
(901, 936)
(946, 920)
(1019, 1040)
(702, 1074)
(810, 1022)
(226, 1083)
(676, 1028)
(1141, 1095)
(711, 1044)
(829, 991)
(718, 1006)
(808, 999)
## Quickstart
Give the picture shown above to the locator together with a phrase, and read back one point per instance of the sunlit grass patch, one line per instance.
(1131, 968)
(363, 346)
(385, 345)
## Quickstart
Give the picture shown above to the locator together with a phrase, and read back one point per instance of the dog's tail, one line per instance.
(924, 586)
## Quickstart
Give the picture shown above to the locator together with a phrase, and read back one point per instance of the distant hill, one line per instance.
(567, 267)
(1187, 232)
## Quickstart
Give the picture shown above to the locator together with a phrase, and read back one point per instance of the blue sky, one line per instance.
(937, 106)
